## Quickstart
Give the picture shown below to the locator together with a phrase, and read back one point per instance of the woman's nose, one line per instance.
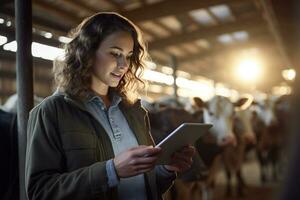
(122, 63)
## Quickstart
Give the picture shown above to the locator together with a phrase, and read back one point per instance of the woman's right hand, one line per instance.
(136, 160)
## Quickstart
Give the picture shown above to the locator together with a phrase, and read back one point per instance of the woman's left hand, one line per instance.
(182, 159)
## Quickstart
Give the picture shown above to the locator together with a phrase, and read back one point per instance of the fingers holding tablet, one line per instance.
(182, 160)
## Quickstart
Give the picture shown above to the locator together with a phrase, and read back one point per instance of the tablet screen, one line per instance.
(183, 135)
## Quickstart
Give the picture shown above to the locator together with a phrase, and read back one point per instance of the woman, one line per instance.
(91, 139)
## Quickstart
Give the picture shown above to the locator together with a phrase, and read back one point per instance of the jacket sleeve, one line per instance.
(46, 176)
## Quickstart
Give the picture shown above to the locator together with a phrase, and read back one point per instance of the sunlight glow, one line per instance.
(166, 70)
(46, 51)
(282, 89)
(155, 88)
(64, 39)
(151, 75)
(3, 40)
(289, 74)
(11, 46)
(186, 87)
(223, 91)
(8, 23)
(249, 70)
(38, 50)
(150, 65)
(46, 34)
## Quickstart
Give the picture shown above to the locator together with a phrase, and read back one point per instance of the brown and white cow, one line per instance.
(218, 111)
(269, 124)
(233, 156)
(237, 118)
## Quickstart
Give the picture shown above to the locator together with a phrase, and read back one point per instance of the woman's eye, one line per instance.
(116, 55)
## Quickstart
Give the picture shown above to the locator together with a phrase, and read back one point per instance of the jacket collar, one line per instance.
(131, 113)
(136, 118)
(79, 103)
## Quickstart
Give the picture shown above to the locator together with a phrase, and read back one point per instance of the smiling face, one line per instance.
(112, 60)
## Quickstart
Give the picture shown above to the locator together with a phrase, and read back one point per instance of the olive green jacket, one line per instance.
(67, 150)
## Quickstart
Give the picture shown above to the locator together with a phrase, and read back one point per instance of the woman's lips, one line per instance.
(116, 75)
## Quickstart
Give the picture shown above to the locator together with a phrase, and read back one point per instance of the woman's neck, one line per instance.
(104, 96)
(99, 87)
(106, 100)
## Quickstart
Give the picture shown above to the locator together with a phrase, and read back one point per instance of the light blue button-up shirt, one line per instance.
(122, 138)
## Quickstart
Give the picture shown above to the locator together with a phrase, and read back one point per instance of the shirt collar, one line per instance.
(94, 98)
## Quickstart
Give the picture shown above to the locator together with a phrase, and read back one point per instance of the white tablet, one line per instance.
(186, 133)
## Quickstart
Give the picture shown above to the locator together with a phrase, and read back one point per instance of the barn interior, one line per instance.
(230, 48)
(221, 47)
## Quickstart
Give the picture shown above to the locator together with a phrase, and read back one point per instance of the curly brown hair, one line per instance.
(73, 74)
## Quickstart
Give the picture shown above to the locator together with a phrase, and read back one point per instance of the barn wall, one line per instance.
(43, 79)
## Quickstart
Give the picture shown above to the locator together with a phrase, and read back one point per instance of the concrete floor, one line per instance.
(254, 190)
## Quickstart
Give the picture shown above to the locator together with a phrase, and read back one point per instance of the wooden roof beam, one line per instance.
(172, 7)
(12, 75)
(233, 47)
(273, 27)
(56, 11)
(256, 42)
(115, 4)
(80, 6)
(7, 32)
(39, 23)
(10, 34)
(51, 27)
(39, 62)
(186, 22)
(207, 33)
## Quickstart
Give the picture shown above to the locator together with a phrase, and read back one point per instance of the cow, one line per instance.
(237, 117)
(9, 183)
(11, 103)
(267, 126)
(218, 111)
(165, 121)
(234, 156)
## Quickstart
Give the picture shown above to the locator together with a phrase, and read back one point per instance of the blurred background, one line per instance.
(198, 48)
(224, 47)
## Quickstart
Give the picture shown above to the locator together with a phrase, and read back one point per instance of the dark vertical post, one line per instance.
(23, 13)
(173, 64)
(288, 13)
